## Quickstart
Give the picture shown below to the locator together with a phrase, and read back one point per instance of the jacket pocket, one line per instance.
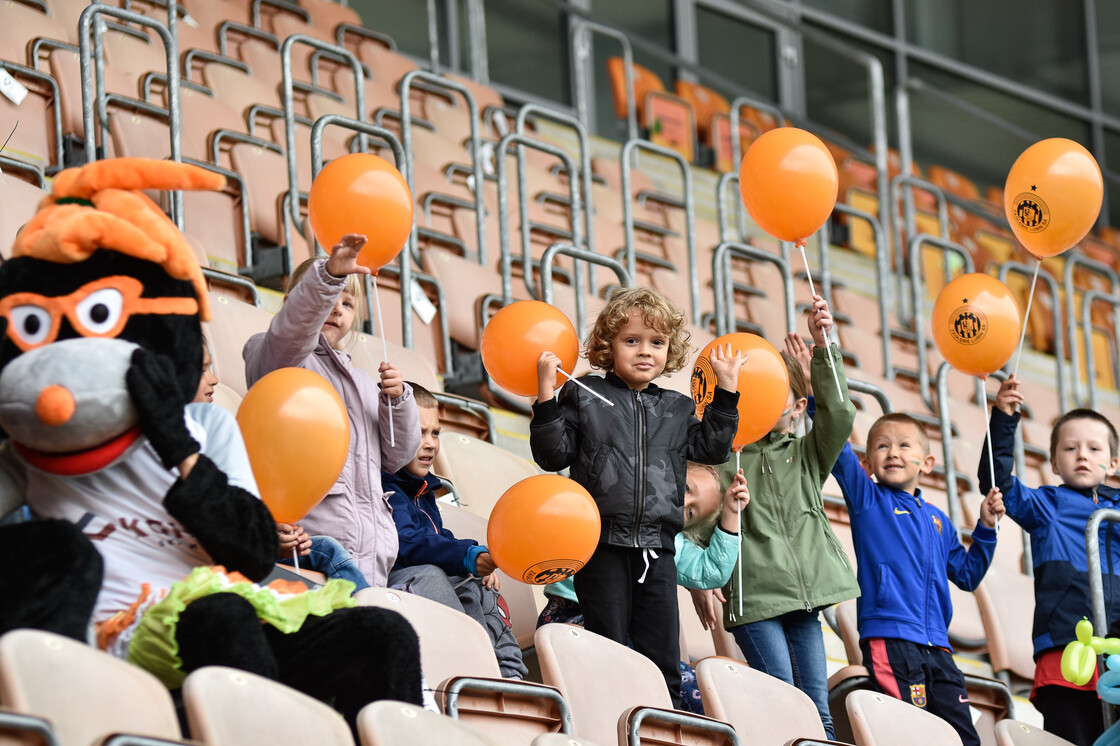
(889, 601)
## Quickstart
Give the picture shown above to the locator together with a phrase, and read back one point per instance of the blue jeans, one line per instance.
(791, 648)
(330, 558)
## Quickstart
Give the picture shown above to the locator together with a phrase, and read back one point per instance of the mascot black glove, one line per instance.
(159, 404)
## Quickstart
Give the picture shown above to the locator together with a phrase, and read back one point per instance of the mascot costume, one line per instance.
(145, 517)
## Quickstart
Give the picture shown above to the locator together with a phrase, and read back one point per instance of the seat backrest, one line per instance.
(85, 693)
(879, 720)
(762, 708)
(645, 81)
(696, 642)
(480, 471)
(389, 723)
(451, 643)
(559, 739)
(231, 326)
(1006, 602)
(599, 678)
(20, 200)
(1014, 733)
(228, 707)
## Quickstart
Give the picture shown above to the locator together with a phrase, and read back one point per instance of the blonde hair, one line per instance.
(699, 530)
(355, 285)
(657, 311)
(900, 418)
(796, 376)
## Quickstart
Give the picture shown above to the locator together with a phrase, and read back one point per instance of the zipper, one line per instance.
(929, 565)
(639, 447)
(768, 472)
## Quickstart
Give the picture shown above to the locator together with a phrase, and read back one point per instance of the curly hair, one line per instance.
(657, 311)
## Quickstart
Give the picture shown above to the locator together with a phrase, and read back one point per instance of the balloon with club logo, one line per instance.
(1053, 196)
(297, 434)
(763, 385)
(516, 336)
(788, 182)
(976, 324)
(543, 529)
(362, 193)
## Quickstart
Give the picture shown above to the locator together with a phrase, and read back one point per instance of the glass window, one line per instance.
(1110, 167)
(1039, 44)
(738, 51)
(527, 44)
(874, 14)
(1108, 42)
(406, 22)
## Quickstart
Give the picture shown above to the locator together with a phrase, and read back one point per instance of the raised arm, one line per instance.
(1028, 507)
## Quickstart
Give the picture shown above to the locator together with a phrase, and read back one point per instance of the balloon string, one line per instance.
(1026, 318)
(835, 376)
(295, 560)
(384, 353)
(988, 427)
(585, 387)
(739, 515)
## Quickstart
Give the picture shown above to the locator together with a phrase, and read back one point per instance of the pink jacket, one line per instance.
(355, 511)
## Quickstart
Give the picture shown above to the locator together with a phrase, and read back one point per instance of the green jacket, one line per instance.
(791, 558)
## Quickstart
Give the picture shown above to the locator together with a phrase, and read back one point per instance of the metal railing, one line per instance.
(548, 260)
(1026, 270)
(1087, 300)
(579, 47)
(1096, 579)
(723, 290)
(1075, 259)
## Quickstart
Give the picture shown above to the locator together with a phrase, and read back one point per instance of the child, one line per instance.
(905, 548)
(705, 551)
(1083, 452)
(631, 458)
(319, 311)
(206, 384)
(793, 563)
(458, 573)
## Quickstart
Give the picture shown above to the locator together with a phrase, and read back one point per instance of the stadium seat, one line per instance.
(706, 103)
(228, 707)
(559, 739)
(696, 642)
(84, 693)
(607, 685)
(481, 472)
(459, 665)
(389, 723)
(1014, 733)
(20, 200)
(232, 325)
(879, 720)
(1006, 602)
(762, 708)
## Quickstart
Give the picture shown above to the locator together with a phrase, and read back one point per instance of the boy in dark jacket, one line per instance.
(1083, 452)
(905, 549)
(431, 562)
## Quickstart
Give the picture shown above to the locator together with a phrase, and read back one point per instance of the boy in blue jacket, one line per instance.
(1083, 452)
(431, 562)
(905, 550)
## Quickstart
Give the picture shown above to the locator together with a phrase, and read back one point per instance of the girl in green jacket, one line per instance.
(792, 563)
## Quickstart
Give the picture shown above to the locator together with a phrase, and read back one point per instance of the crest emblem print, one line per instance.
(968, 325)
(1031, 212)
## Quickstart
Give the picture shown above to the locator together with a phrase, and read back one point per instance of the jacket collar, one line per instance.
(618, 383)
(1101, 490)
(410, 484)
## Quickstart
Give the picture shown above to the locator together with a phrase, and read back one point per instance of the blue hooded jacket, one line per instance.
(423, 539)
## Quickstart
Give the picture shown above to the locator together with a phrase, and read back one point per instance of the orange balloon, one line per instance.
(362, 193)
(543, 529)
(763, 385)
(976, 324)
(516, 336)
(297, 434)
(1053, 196)
(789, 183)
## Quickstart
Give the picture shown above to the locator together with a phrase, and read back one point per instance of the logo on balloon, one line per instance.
(1031, 212)
(968, 325)
(702, 393)
(551, 571)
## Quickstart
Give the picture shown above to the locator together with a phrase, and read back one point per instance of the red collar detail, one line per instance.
(79, 462)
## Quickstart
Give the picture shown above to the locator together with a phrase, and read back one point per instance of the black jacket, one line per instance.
(631, 457)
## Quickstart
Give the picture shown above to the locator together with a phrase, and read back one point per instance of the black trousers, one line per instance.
(348, 658)
(1073, 714)
(624, 597)
(924, 676)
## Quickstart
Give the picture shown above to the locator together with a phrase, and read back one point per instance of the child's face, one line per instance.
(429, 442)
(638, 351)
(208, 380)
(896, 457)
(701, 495)
(341, 318)
(1083, 458)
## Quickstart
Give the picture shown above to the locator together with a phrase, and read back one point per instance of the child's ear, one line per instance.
(1054, 467)
(1115, 462)
(927, 463)
(799, 407)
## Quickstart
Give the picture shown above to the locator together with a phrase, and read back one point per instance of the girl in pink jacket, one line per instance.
(325, 297)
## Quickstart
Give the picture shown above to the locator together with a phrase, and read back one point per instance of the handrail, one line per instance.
(880, 395)
(474, 407)
(549, 257)
(689, 215)
(405, 166)
(1096, 581)
(918, 294)
(1073, 260)
(543, 112)
(1087, 301)
(467, 684)
(675, 717)
(736, 107)
(575, 218)
(724, 293)
(579, 47)
(882, 272)
(1055, 309)
(910, 227)
(724, 182)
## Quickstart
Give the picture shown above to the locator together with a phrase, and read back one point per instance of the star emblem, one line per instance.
(1034, 188)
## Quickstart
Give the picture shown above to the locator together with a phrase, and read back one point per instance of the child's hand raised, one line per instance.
(795, 347)
(726, 364)
(991, 510)
(344, 256)
(820, 321)
(1009, 398)
(392, 382)
(547, 365)
(734, 501)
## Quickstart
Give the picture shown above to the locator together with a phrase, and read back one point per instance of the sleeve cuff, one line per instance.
(546, 410)
(726, 400)
(470, 559)
(719, 527)
(985, 534)
(327, 277)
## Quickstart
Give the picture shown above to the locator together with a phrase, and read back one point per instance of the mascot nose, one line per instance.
(55, 405)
